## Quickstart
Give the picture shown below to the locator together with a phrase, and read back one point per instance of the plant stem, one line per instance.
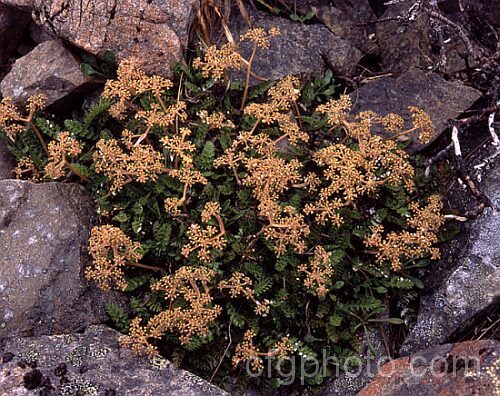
(71, 167)
(247, 79)
(144, 266)
(39, 135)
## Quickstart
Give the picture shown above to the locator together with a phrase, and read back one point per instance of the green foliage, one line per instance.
(118, 317)
(320, 90)
(92, 66)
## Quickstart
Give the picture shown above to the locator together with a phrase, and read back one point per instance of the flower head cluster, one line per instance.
(12, 121)
(182, 149)
(217, 61)
(393, 123)
(395, 247)
(124, 163)
(191, 310)
(216, 120)
(337, 111)
(260, 37)
(60, 151)
(338, 115)
(423, 123)
(246, 350)
(131, 82)
(180, 146)
(161, 116)
(318, 272)
(277, 109)
(205, 240)
(352, 171)
(240, 285)
(27, 168)
(111, 250)
(287, 227)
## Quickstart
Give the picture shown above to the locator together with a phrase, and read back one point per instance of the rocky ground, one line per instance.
(440, 55)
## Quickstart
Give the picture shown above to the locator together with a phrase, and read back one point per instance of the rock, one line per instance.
(49, 69)
(92, 363)
(43, 238)
(12, 24)
(351, 381)
(471, 286)
(404, 45)
(26, 5)
(463, 369)
(486, 9)
(40, 35)
(309, 46)
(441, 99)
(430, 43)
(7, 163)
(154, 32)
(351, 23)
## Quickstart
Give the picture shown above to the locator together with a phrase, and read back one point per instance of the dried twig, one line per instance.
(482, 200)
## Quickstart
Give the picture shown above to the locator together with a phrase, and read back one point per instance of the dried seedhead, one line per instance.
(396, 247)
(191, 310)
(111, 250)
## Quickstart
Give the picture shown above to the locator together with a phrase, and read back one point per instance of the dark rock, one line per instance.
(49, 69)
(349, 20)
(32, 379)
(471, 285)
(404, 45)
(351, 24)
(110, 369)
(7, 357)
(12, 24)
(463, 369)
(7, 163)
(40, 35)
(349, 382)
(488, 9)
(153, 32)
(427, 42)
(26, 5)
(43, 238)
(441, 99)
(61, 370)
(299, 49)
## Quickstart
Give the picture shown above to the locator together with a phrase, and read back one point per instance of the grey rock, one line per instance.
(94, 363)
(351, 23)
(49, 69)
(153, 32)
(471, 286)
(44, 230)
(7, 163)
(12, 24)
(441, 99)
(350, 382)
(299, 49)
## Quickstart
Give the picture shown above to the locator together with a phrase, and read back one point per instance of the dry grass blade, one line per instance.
(244, 12)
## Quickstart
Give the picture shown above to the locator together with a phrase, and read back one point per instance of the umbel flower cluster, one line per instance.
(247, 216)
